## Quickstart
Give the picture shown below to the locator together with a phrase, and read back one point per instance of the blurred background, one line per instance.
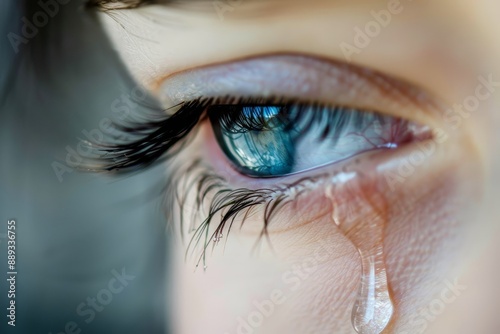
(90, 249)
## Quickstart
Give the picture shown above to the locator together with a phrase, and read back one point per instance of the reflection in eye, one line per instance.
(278, 140)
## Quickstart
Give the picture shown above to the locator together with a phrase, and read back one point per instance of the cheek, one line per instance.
(427, 232)
(308, 261)
(430, 231)
(300, 286)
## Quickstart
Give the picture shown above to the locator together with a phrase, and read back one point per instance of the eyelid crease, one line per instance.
(304, 77)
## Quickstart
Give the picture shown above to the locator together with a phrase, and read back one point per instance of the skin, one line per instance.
(439, 224)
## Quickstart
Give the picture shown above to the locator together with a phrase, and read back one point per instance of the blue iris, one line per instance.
(259, 145)
(271, 141)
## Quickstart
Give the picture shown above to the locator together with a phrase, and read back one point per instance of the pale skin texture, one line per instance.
(443, 224)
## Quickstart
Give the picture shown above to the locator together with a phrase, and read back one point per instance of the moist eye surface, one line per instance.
(278, 140)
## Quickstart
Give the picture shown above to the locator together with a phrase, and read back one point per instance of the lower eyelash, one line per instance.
(230, 203)
(159, 136)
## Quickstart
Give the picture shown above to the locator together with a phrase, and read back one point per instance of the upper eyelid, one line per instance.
(371, 80)
(303, 77)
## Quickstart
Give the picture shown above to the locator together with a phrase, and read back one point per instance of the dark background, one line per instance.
(72, 231)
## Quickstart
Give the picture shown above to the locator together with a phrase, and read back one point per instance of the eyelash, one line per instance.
(164, 134)
(230, 203)
(151, 141)
(154, 140)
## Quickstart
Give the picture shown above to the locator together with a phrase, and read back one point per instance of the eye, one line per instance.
(279, 140)
(272, 117)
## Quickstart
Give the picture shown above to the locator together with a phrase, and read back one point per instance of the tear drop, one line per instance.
(373, 308)
(361, 214)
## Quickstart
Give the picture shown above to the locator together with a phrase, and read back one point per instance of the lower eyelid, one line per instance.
(313, 206)
(369, 162)
(306, 219)
(212, 153)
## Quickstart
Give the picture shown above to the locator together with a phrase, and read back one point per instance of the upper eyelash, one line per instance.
(150, 139)
(301, 115)
(123, 4)
(154, 139)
